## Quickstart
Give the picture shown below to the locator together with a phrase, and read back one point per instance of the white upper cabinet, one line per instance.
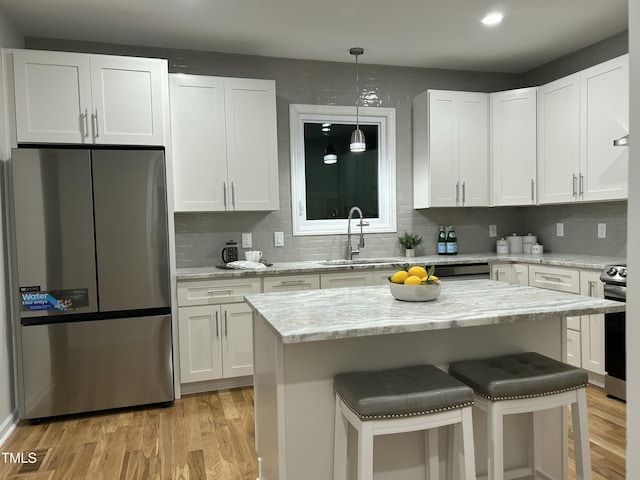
(513, 147)
(88, 99)
(450, 150)
(224, 143)
(604, 97)
(579, 117)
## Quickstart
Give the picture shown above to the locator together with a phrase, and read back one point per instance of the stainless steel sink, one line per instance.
(361, 261)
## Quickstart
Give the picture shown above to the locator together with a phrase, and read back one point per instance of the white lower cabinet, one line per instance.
(356, 278)
(502, 272)
(215, 342)
(592, 326)
(215, 329)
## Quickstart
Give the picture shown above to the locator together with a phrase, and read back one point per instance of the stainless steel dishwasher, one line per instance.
(463, 271)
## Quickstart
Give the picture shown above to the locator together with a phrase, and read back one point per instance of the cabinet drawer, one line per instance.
(288, 283)
(362, 278)
(206, 292)
(561, 279)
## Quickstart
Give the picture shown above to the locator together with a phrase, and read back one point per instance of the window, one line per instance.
(322, 194)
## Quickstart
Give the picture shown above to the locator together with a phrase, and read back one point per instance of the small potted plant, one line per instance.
(410, 241)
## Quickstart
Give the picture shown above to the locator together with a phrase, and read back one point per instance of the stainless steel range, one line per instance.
(615, 288)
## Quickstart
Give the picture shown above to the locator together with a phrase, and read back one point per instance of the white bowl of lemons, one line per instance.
(415, 284)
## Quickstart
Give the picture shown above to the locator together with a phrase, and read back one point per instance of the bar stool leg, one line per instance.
(365, 451)
(468, 459)
(495, 442)
(340, 444)
(432, 464)
(581, 436)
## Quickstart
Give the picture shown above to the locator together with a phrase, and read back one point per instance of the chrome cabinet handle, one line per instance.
(225, 324)
(575, 179)
(464, 192)
(581, 191)
(217, 330)
(457, 192)
(233, 195)
(533, 190)
(86, 123)
(96, 130)
(284, 283)
(224, 194)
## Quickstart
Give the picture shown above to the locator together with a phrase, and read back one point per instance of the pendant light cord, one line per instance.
(357, 95)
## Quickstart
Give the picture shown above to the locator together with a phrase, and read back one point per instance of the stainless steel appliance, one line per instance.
(90, 279)
(463, 271)
(615, 288)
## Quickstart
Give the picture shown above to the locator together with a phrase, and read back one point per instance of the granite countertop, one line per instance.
(318, 266)
(312, 315)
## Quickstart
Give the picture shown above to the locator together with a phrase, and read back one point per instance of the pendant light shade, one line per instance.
(330, 155)
(358, 143)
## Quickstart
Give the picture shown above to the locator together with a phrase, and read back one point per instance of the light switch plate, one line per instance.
(602, 230)
(560, 229)
(278, 239)
(246, 240)
(493, 231)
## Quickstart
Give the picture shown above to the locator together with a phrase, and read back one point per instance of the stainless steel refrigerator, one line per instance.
(90, 279)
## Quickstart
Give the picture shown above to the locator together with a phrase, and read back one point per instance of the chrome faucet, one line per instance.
(350, 250)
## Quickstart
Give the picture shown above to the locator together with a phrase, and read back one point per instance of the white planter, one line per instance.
(410, 252)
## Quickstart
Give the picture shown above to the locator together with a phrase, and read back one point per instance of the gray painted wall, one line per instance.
(200, 236)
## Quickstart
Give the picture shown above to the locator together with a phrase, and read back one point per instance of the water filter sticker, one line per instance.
(34, 299)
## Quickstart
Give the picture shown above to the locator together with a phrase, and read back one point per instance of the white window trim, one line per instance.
(385, 118)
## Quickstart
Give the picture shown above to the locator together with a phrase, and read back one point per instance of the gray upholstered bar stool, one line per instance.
(526, 383)
(403, 400)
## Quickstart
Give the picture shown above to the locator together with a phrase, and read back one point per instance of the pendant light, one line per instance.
(330, 156)
(358, 143)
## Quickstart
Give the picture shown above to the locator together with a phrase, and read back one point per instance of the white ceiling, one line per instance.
(421, 33)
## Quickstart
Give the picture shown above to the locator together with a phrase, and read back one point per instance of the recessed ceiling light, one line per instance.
(493, 18)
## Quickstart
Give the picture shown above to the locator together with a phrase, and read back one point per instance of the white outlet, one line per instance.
(602, 230)
(246, 240)
(493, 231)
(560, 229)
(278, 239)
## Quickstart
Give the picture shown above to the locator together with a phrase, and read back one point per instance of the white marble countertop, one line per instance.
(337, 313)
(318, 266)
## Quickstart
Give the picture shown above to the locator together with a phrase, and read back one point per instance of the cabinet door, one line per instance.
(573, 348)
(237, 340)
(252, 151)
(443, 148)
(473, 149)
(521, 274)
(604, 91)
(199, 143)
(559, 140)
(592, 326)
(127, 100)
(53, 97)
(513, 146)
(502, 272)
(199, 330)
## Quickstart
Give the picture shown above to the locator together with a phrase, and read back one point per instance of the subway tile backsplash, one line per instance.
(201, 236)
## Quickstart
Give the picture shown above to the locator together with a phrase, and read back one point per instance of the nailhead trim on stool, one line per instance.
(416, 398)
(526, 383)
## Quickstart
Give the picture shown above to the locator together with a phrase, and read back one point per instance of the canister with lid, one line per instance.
(528, 241)
(502, 247)
(515, 243)
(537, 249)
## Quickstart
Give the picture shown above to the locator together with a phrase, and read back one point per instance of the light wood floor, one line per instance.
(211, 436)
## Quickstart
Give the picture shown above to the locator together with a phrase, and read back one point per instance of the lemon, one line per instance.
(413, 280)
(434, 278)
(399, 277)
(417, 272)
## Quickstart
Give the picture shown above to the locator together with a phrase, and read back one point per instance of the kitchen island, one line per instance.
(302, 339)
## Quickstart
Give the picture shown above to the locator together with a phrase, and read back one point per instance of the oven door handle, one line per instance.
(615, 292)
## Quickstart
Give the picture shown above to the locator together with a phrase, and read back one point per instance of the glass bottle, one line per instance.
(442, 241)
(452, 241)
